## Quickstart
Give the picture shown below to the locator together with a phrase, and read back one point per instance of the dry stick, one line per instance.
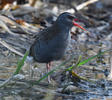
(10, 48)
(81, 6)
(7, 81)
(42, 90)
(110, 66)
(110, 60)
(32, 2)
(26, 27)
(23, 10)
(4, 26)
(6, 19)
(49, 91)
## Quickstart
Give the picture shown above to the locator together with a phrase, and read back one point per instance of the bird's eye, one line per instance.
(71, 17)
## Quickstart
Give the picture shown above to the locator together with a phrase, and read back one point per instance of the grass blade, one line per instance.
(70, 68)
(89, 59)
(21, 63)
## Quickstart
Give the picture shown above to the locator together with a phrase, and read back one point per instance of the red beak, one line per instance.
(75, 24)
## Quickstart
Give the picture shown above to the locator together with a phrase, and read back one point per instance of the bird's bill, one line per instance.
(76, 24)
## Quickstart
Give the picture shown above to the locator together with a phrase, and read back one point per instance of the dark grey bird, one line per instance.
(51, 43)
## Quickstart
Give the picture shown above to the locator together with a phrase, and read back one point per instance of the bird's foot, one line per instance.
(49, 79)
(110, 76)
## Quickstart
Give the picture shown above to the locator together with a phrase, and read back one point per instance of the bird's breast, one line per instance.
(53, 49)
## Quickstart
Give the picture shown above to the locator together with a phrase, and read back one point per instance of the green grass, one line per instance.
(21, 63)
(78, 64)
(87, 60)
(19, 67)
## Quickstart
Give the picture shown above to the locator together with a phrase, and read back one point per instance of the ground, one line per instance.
(97, 19)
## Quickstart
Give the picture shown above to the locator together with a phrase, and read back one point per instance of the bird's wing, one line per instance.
(42, 36)
(47, 34)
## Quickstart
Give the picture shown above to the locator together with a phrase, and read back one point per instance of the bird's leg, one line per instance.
(48, 65)
(48, 69)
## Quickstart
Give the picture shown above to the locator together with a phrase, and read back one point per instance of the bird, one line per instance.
(51, 43)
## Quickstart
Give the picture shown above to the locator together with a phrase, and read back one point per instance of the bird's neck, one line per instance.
(62, 30)
(62, 27)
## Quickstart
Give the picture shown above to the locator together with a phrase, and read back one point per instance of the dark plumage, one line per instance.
(52, 42)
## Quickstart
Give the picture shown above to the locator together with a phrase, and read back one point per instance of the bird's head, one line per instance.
(68, 20)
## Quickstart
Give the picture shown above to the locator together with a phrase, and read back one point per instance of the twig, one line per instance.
(6, 82)
(37, 88)
(23, 10)
(49, 91)
(110, 60)
(32, 2)
(10, 48)
(3, 25)
(6, 19)
(25, 27)
(111, 64)
(81, 6)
